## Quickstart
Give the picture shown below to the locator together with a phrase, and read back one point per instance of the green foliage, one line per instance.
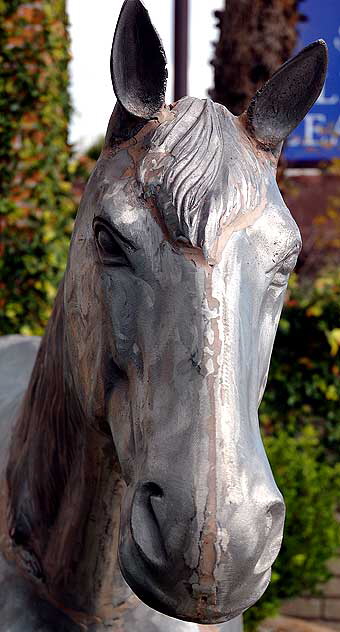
(36, 208)
(94, 150)
(311, 489)
(300, 421)
(304, 381)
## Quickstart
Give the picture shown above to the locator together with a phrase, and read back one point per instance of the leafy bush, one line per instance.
(94, 150)
(300, 422)
(304, 381)
(36, 205)
(311, 489)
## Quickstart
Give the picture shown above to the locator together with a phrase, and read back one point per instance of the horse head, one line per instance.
(177, 271)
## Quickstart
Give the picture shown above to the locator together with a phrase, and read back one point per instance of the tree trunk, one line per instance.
(256, 37)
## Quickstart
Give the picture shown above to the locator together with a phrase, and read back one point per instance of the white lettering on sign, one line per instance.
(323, 100)
(336, 41)
(314, 124)
(336, 132)
(317, 132)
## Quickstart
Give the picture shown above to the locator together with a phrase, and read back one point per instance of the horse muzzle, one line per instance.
(206, 573)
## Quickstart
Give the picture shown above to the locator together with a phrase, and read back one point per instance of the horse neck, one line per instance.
(64, 488)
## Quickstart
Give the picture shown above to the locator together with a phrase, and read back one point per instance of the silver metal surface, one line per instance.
(192, 324)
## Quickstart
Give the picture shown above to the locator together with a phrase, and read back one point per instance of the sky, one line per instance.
(92, 26)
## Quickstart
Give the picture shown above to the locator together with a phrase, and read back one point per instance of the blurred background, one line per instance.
(56, 98)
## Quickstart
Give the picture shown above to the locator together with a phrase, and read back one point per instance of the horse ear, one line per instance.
(138, 62)
(289, 94)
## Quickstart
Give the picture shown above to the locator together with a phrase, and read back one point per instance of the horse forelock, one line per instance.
(202, 172)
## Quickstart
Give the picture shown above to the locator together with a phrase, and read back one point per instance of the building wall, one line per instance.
(324, 609)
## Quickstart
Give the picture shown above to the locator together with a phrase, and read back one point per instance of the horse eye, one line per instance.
(105, 241)
(282, 275)
(110, 251)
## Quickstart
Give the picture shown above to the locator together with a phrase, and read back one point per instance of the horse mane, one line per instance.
(188, 158)
(197, 168)
(47, 440)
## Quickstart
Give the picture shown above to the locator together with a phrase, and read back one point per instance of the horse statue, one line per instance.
(132, 461)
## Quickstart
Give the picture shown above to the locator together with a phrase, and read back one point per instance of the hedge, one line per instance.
(300, 423)
(311, 489)
(304, 381)
(36, 208)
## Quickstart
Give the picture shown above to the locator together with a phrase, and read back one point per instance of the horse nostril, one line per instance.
(145, 528)
(274, 518)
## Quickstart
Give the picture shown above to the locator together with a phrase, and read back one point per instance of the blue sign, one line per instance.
(318, 136)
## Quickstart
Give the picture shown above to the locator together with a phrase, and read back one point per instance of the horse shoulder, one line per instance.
(22, 610)
(17, 357)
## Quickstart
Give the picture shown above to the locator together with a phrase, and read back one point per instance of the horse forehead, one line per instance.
(197, 170)
(206, 172)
